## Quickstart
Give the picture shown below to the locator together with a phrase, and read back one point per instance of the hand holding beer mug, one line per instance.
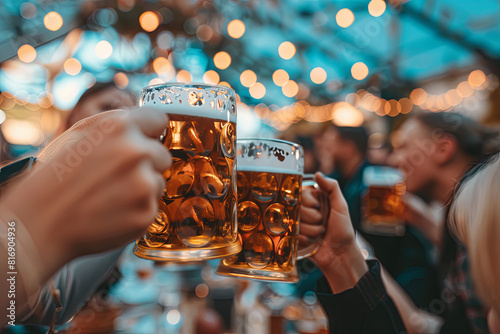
(270, 175)
(383, 202)
(197, 213)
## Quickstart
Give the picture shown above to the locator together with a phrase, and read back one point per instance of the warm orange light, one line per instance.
(45, 100)
(344, 17)
(26, 53)
(376, 7)
(359, 71)
(161, 65)
(155, 81)
(72, 66)
(222, 60)
(149, 21)
(211, 77)
(53, 21)
(202, 290)
(248, 78)
(236, 29)
(344, 114)
(318, 75)
(286, 50)
(290, 88)
(280, 77)
(184, 76)
(418, 96)
(476, 78)
(121, 80)
(464, 89)
(204, 33)
(406, 105)
(103, 49)
(452, 97)
(257, 90)
(223, 83)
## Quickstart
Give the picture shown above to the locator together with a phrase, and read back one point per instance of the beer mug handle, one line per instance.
(311, 249)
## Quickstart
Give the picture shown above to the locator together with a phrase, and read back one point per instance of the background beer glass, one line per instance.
(270, 175)
(197, 213)
(383, 202)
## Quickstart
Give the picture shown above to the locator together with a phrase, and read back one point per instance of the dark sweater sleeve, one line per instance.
(364, 309)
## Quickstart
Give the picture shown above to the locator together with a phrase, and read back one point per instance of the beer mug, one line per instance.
(269, 180)
(197, 212)
(383, 202)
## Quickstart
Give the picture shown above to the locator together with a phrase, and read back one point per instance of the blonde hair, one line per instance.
(475, 219)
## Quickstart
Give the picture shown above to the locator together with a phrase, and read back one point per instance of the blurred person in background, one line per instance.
(347, 146)
(434, 153)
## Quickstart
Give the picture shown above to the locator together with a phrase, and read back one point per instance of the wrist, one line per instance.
(346, 268)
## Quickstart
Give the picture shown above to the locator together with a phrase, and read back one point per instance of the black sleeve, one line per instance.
(364, 309)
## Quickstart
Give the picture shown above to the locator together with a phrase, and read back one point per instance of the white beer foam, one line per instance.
(381, 176)
(267, 170)
(269, 155)
(200, 100)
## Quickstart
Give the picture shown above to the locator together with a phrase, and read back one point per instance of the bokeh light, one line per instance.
(161, 65)
(359, 71)
(103, 49)
(222, 60)
(286, 50)
(224, 83)
(155, 81)
(377, 7)
(22, 132)
(184, 76)
(211, 77)
(149, 21)
(257, 90)
(201, 290)
(406, 105)
(418, 96)
(72, 66)
(248, 78)
(344, 17)
(204, 33)
(318, 75)
(345, 114)
(173, 317)
(26, 53)
(476, 78)
(53, 21)
(121, 80)
(236, 29)
(290, 88)
(280, 77)
(464, 89)
(27, 10)
(453, 98)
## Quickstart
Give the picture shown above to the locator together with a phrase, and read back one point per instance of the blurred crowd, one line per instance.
(439, 274)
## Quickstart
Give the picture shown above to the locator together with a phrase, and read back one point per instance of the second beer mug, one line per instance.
(270, 176)
(383, 202)
(197, 212)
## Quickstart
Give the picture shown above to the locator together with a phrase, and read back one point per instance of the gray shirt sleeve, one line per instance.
(78, 281)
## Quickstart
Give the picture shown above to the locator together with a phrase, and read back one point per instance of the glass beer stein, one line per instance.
(383, 202)
(270, 179)
(197, 213)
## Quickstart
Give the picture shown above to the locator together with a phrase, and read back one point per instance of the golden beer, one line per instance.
(269, 182)
(197, 213)
(383, 201)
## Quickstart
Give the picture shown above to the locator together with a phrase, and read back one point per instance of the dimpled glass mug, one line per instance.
(197, 213)
(270, 179)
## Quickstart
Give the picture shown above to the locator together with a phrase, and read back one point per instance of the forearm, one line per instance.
(416, 321)
(345, 269)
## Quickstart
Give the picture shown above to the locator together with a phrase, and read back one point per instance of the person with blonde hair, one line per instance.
(475, 219)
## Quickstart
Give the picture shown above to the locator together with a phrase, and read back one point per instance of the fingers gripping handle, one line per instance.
(312, 247)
